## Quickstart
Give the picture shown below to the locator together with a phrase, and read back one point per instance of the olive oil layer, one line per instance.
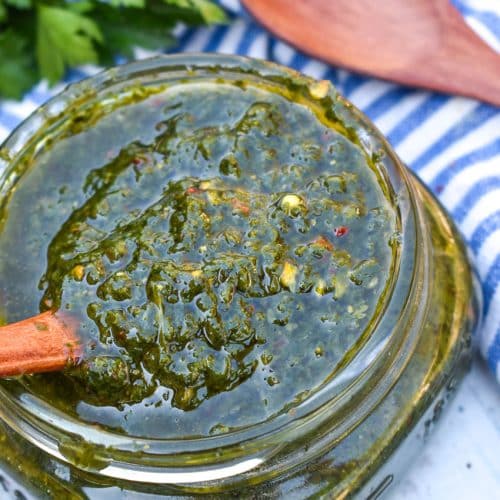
(222, 247)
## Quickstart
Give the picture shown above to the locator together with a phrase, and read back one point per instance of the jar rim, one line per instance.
(389, 340)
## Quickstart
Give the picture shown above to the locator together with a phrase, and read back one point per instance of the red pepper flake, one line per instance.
(324, 243)
(250, 309)
(137, 160)
(157, 102)
(193, 190)
(121, 336)
(340, 231)
(240, 206)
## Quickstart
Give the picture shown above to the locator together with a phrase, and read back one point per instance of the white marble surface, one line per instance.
(461, 461)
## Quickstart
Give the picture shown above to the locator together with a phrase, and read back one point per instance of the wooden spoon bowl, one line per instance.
(422, 43)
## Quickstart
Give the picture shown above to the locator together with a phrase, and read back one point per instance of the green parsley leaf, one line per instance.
(209, 12)
(41, 38)
(138, 4)
(126, 29)
(183, 4)
(17, 65)
(64, 38)
(3, 12)
(81, 7)
(19, 4)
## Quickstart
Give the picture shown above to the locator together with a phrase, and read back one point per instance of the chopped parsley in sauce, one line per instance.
(223, 245)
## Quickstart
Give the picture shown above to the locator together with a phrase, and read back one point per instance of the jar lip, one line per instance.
(369, 360)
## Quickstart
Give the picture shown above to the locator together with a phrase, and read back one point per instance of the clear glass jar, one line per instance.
(357, 433)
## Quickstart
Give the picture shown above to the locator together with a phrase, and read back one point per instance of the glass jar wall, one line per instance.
(354, 433)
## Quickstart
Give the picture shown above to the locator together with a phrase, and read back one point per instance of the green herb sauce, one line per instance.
(224, 247)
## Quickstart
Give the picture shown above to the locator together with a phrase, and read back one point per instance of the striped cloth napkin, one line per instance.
(452, 143)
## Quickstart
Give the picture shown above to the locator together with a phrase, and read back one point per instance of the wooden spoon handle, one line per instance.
(42, 343)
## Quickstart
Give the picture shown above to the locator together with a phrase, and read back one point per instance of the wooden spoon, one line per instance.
(423, 43)
(44, 343)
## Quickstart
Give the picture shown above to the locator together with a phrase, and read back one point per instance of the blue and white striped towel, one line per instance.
(452, 143)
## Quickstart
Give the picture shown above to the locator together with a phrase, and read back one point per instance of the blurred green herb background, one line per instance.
(41, 39)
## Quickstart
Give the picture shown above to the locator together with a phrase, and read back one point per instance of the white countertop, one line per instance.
(461, 461)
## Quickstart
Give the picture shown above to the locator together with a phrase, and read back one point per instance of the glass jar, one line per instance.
(355, 435)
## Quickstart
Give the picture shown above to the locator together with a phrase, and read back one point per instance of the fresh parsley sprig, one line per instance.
(42, 38)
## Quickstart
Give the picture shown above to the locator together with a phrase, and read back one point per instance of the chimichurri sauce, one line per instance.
(223, 246)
